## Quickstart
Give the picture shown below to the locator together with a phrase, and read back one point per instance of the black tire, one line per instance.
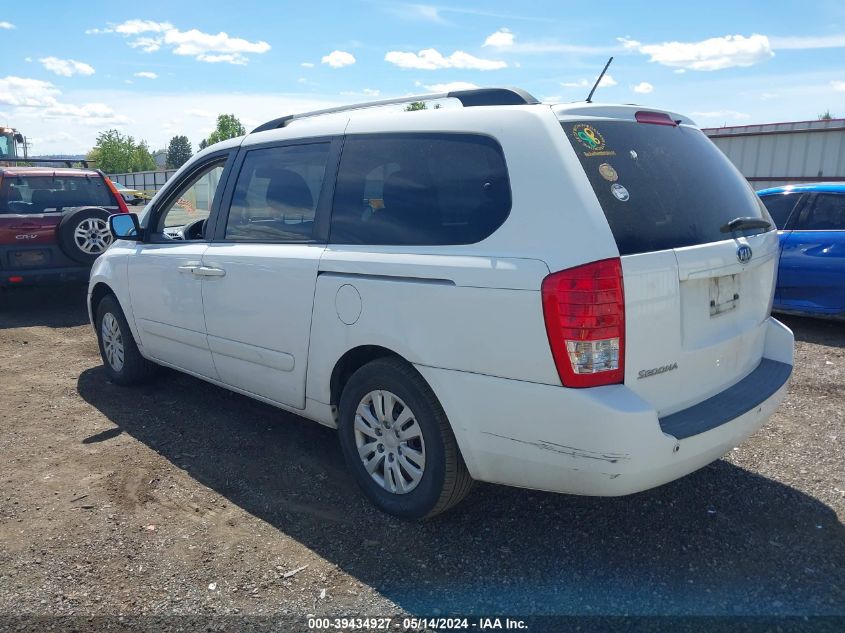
(445, 479)
(67, 230)
(135, 369)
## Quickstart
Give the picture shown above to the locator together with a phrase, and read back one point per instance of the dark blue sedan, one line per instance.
(811, 223)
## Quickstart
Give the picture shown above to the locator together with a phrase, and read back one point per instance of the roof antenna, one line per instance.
(596, 85)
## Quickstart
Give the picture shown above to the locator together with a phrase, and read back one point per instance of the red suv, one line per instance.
(53, 223)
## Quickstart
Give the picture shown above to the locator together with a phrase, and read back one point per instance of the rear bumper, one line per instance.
(604, 441)
(44, 276)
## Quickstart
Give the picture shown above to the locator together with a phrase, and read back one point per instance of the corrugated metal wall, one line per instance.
(144, 180)
(783, 153)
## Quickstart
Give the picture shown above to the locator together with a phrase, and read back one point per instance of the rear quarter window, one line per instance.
(419, 189)
(780, 206)
(661, 186)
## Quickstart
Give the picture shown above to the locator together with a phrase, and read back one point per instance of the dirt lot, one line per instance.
(183, 498)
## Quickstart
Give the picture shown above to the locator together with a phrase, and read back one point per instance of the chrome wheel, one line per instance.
(390, 442)
(92, 236)
(112, 341)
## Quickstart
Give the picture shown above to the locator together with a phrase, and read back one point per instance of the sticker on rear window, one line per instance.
(608, 172)
(619, 192)
(592, 139)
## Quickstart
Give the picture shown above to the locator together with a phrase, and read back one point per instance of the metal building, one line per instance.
(782, 153)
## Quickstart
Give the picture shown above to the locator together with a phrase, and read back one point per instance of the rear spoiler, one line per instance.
(68, 162)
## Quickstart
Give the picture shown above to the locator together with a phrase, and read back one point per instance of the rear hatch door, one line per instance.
(696, 296)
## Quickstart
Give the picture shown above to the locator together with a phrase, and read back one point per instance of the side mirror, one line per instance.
(125, 226)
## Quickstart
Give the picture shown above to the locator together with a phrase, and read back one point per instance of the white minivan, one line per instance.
(573, 298)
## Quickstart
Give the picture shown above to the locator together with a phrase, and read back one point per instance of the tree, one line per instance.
(142, 159)
(420, 105)
(178, 152)
(203, 144)
(228, 126)
(115, 153)
(825, 116)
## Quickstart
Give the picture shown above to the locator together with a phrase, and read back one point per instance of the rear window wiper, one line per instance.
(742, 224)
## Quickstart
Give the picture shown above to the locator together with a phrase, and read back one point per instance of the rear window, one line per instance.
(419, 189)
(661, 186)
(37, 194)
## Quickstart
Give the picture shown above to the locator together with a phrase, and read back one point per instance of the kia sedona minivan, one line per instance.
(572, 298)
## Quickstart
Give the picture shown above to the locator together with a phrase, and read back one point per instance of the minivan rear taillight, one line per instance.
(584, 308)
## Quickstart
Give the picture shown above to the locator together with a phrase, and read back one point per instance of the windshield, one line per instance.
(36, 194)
(661, 186)
(5, 146)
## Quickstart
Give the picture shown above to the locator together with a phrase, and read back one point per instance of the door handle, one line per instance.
(208, 271)
(187, 268)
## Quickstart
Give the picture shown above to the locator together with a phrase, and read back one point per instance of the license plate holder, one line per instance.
(29, 258)
(724, 294)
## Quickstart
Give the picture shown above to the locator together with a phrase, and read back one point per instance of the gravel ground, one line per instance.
(183, 498)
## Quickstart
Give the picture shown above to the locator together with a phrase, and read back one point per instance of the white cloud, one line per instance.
(146, 44)
(500, 39)
(366, 92)
(431, 59)
(606, 82)
(204, 47)
(338, 59)
(838, 85)
(145, 118)
(146, 74)
(201, 114)
(803, 43)
(88, 112)
(213, 48)
(453, 85)
(7, 26)
(715, 53)
(37, 100)
(134, 27)
(307, 65)
(66, 67)
(27, 59)
(422, 12)
(19, 91)
(722, 115)
(643, 88)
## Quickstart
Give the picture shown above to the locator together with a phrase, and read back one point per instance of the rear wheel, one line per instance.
(121, 359)
(397, 441)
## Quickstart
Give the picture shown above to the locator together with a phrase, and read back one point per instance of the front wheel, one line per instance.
(122, 360)
(398, 443)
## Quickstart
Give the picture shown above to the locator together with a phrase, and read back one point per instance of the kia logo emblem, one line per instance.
(743, 254)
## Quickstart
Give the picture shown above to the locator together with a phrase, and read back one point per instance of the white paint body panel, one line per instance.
(259, 314)
(470, 317)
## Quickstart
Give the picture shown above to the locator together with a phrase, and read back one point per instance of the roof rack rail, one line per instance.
(469, 98)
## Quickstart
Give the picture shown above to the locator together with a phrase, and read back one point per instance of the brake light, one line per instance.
(584, 309)
(15, 280)
(121, 203)
(657, 118)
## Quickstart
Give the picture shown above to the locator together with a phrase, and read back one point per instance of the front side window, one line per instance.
(277, 192)
(194, 200)
(826, 214)
(419, 189)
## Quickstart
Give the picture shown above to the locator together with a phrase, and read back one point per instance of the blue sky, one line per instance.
(155, 69)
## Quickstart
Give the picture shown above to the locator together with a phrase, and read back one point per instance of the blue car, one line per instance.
(811, 223)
